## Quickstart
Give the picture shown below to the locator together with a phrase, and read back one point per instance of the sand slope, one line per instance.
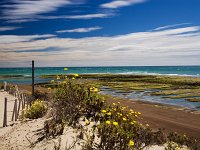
(10, 106)
(26, 136)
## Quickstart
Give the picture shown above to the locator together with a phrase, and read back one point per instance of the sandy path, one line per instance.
(10, 105)
(26, 135)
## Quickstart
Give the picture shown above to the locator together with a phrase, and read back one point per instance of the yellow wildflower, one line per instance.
(124, 119)
(52, 81)
(136, 115)
(131, 143)
(114, 104)
(115, 123)
(65, 69)
(49, 88)
(139, 113)
(118, 102)
(123, 108)
(103, 111)
(87, 122)
(107, 122)
(73, 78)
(76, 75)
(109, 113)
(95, 90)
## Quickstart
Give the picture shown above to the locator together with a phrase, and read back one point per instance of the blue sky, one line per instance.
(99, 32)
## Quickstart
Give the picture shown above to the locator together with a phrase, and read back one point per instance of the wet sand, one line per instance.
(172, 119)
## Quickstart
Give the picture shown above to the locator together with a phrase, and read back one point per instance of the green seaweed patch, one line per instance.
(193, 99)
(173, 87)
(173, 80)
(176, 92)
(135, 86)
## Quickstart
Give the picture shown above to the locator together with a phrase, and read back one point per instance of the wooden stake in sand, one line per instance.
(5, 113)
(18, 110)
(14, 111)
(5, 85)
(33, 80)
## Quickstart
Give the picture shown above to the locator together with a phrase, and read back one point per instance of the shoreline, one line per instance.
(175, 107)
(171, 119)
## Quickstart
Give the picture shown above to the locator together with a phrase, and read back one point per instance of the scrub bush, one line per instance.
(37, 110)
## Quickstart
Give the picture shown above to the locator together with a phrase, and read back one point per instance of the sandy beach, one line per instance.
(28, 135)
(10, 105)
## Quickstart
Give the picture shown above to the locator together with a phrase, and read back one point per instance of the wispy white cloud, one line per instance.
(26, 10)
(80, 30)
(121, 3)
(88, 16)
(6, 39)
(170, 26)
(164, 47)
(8, 28)
(83, 16)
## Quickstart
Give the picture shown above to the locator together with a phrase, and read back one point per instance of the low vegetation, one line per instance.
(76, 103)
(37, 110)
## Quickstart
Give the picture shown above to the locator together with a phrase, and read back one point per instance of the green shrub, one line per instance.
(73, 100)
(37, 110)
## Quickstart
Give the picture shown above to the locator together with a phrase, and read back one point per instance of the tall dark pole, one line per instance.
(33, 79)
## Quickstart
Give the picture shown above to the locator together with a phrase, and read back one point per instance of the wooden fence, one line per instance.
(22, 101)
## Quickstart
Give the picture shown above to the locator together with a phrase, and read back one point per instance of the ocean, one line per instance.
(23, 75)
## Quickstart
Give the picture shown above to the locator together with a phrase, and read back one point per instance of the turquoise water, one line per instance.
(24, 74)
(147, 97)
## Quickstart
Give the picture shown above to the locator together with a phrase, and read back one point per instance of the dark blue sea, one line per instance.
(22, 75)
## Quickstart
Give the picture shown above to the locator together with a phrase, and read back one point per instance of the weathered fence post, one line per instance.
(22, 101)
(33, 94)
(5, 113)
(18, 108)
(15, 111)
(27, 102)
(5, 85)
